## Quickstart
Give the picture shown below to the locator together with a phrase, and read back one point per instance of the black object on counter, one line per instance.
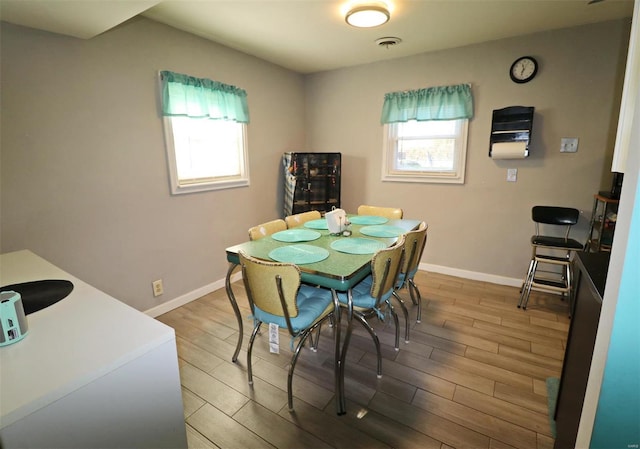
(37, 295)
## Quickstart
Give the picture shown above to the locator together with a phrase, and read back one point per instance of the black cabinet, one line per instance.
(590, 282)
(312, 182)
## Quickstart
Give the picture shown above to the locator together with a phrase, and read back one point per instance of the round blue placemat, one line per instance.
(382, 231)
(296, 235)
(357, 245)
(368, 220)
(299, 254)
(320, 223)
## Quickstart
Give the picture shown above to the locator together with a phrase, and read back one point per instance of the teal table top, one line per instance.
(339, 271)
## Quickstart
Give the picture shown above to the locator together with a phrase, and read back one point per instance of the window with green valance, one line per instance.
(188, 96)
(433, 103)
(205, 126)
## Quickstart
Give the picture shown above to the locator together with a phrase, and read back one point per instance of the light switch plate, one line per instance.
(512, 174)
(569, 145)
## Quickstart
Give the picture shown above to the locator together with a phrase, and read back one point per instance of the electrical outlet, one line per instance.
(569, 145)
(512, 174)
(157, 287)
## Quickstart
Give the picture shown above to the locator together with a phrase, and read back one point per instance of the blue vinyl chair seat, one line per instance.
(312, 302)
(361, 295)
(402, 277)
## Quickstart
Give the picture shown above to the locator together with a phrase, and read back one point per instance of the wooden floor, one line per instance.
(472, 376)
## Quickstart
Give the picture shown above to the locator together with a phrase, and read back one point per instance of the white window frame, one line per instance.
(454, 176)
(181, 186)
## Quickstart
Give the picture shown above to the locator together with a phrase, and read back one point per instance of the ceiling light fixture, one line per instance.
(368, 16)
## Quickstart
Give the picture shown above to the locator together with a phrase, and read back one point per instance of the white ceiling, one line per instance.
(311, 35)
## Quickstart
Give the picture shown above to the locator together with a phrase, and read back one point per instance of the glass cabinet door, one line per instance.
(312, 182)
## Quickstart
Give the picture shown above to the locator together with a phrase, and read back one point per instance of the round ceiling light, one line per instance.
(367, 16)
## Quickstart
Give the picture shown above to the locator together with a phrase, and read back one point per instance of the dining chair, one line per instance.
(392, 213)
(414, 244)
(551, 251)
(268, 228)
(371, 297)
(277, 296)
(301, 218)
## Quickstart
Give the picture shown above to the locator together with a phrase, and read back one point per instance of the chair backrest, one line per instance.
(271, 286)
(301, 218)
(385, 268)
(553, 215)
(414, 244)
(392, 213)
(268, 228)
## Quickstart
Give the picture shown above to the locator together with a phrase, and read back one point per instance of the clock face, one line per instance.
(523, 69)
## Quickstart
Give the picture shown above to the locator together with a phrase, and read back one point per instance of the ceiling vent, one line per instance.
(388, 41)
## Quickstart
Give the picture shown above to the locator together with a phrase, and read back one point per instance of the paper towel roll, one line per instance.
(509, 150)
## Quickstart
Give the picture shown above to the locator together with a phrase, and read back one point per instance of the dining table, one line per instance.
(335, 261)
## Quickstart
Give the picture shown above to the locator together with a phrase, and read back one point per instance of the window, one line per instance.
(425, 134)
(427, 151)
(205, 128)
(206, 154)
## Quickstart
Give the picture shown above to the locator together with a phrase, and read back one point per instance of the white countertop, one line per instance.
(69, 344)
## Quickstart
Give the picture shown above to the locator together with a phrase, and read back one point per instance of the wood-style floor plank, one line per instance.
(224, 431)
(472, 376)
(432, 424)
(277, 430)
(471, 418)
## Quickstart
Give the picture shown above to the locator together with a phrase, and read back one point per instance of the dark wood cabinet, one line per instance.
(591, 273)
(312, 182)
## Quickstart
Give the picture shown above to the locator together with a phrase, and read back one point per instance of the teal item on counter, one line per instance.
(13, 321)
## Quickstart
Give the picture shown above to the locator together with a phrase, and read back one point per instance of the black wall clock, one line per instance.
(523, 69)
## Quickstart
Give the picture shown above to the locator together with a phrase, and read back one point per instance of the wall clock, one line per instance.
(523, 69)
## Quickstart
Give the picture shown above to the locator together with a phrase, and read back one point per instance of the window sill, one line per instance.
(204, 187)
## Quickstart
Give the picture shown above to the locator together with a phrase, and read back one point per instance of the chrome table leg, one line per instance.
(236, 310)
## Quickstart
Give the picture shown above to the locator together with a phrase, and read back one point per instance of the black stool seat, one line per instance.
(556, 242)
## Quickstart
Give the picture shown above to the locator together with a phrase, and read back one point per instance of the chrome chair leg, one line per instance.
(375, 338)
(294, 359)
(397, 324)
(250, 350)
(416, 298)
(406, 316)
(292, 367)
(315, 341)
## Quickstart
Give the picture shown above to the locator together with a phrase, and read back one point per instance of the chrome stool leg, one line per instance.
(526, 284)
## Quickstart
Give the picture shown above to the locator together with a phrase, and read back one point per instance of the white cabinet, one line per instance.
(92, 372)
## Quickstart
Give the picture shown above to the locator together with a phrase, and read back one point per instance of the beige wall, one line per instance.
(83, 167)
(481, 229)
(84, 174)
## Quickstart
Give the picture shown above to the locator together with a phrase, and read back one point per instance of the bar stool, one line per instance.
(558, 252)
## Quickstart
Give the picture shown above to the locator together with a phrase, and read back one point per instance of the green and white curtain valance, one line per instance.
(433, 103)
(188, 96)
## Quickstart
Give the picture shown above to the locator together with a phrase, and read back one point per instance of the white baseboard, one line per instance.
(200, 292)
(188, 297)
(473, 275)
